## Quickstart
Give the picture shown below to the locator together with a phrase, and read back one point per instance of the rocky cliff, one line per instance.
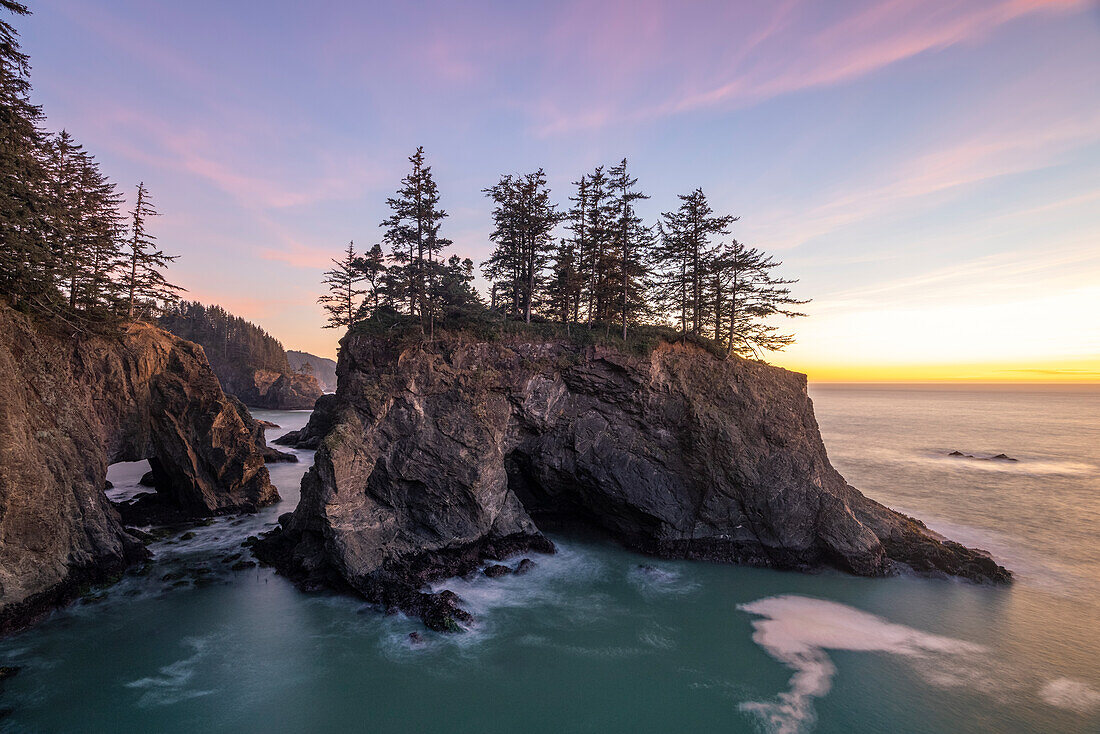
(263, 388)
(431, 460)
(250, 363)
(72, 405)
(320, 367)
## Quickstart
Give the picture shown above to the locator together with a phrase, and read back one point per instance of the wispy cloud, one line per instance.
(982, 156)
(780, 55)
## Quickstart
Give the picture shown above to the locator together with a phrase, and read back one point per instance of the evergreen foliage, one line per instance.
(413, 232)
(680, 277)
(228, 340)
(342, 300)
(65, 249)
(524, 220)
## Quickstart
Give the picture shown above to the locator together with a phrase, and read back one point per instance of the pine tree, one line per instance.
(455, 291)
(598, 254)
(412, 230)
(684, 255)
(65, 162)
(26, 260)
(342, 302)
(633, 242)
(144, 280)
(768, 296)
(569, 268)
(503, 268)
(525, 220)
(100, 233)
(372, 266)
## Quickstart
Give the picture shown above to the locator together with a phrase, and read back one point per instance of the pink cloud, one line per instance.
(780, 56)
(302, 256)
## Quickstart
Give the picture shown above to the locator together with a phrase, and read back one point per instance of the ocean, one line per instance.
(597, 639)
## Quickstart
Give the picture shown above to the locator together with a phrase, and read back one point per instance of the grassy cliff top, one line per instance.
(640, 340)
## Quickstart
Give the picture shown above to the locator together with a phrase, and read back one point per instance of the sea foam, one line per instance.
(1071, 694)
(798, 630)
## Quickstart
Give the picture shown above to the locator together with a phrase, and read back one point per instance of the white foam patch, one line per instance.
(1071, 694)
(654, 580)
(553, 581)
(798, 630)
(169, 686)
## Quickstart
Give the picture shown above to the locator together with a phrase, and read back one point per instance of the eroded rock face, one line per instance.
(69, 407)
(431, 460)
(271, 389)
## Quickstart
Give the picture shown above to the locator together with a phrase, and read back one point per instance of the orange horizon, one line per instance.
(1085, 372)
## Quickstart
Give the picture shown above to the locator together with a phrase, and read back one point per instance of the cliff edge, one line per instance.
(72, 405)
(433, 458)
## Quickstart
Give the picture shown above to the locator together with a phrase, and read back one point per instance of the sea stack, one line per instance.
(433, 457)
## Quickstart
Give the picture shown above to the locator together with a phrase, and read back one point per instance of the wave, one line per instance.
(170, 685)
(939, 457)
(653, 580)
(798, 631)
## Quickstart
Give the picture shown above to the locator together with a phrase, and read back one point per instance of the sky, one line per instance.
(928, 170)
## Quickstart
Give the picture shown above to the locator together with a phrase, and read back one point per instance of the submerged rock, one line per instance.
(70, 405)
(496, 570)
(431, 459)
(998, 457)
(524, 566)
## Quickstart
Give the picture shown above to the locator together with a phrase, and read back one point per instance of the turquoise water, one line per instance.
(592, 642)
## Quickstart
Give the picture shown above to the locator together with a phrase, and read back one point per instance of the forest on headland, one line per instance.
(593, 264)
(75, 252)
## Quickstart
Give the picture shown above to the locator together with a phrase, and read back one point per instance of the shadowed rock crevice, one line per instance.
(428, 457)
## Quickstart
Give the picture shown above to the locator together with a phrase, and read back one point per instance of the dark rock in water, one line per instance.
(524, 566)
(270, 454)
(432, 458)
(108, 485)
(998, 457)
(144, 537)
(310, 436)
(72, 405)
(265, 424)
(496, 570)
(8, 671)
(415, 639)
(241, 565)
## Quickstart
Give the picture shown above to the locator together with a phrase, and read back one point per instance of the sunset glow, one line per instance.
(932, 178)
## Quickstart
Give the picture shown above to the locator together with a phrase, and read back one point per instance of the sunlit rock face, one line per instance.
(70, 405)
(433, 458)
